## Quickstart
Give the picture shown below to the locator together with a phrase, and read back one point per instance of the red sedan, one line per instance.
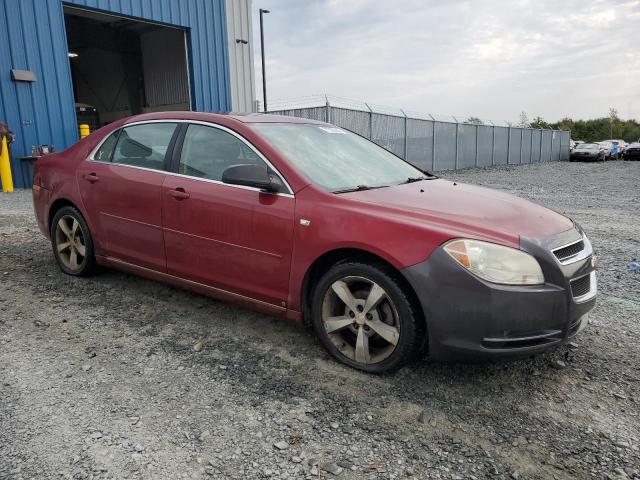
(305, 220)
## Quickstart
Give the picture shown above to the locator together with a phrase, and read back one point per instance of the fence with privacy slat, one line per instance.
(441, 145)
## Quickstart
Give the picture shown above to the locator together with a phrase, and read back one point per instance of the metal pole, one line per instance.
(433, 138)
(493, 144)
(405, 133)
(370, 121)
(264, 80)
(477, 127)
(457, 125)
(540, 159)
(508, 144)
(328, 107)
(531, 148)
(521, 137)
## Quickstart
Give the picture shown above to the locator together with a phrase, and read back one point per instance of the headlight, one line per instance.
(496, 263)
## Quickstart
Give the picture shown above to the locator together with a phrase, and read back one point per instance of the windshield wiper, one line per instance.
(358, 188)
(427, 176)
(414, 179)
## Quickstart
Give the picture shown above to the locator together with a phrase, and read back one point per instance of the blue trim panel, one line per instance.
(32, 37)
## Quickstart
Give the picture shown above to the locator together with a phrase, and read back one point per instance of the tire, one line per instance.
(353, 338)
(72, 243)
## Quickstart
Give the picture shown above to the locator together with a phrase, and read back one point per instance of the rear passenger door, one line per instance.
(121, 188)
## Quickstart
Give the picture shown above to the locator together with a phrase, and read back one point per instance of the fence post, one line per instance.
(540, 159)
(521, 137)
(328, 111)
(370, 121)
(476, 162)
(508, 143)
(457, 128)
(405, 133)
(551, 148)
(531, 147)
(433, 138)
(493, 143)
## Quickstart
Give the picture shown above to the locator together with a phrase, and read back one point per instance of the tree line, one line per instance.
(593, 130)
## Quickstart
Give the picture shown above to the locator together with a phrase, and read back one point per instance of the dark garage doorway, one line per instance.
(122, 67)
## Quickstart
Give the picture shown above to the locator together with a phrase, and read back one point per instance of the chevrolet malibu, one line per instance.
(310, 222)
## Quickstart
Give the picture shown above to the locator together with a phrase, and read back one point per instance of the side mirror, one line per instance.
(250, 176)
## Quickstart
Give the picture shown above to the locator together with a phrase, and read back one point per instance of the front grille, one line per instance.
(581, 286)
(569, 251)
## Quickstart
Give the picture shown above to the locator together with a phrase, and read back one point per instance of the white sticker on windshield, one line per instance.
(332, 130)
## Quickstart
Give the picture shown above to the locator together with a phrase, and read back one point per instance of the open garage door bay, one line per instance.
(122, 67)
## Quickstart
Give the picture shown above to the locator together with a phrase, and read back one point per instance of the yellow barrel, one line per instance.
(5, 167)
(84, 130)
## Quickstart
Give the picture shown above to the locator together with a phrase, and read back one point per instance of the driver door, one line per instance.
(234, 238)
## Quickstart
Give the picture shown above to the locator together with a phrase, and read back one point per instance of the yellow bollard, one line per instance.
(84, 130)
(5, 167)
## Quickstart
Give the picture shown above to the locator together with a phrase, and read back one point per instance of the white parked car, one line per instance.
(621, 144)
(609, 148)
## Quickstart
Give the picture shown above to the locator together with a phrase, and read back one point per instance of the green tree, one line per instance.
(539, 122)
(597, 129)
(474, 121)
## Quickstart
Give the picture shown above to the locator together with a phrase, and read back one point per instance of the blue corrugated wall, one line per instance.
(32, 37)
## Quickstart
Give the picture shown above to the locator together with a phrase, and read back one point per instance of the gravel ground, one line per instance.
(120, 377)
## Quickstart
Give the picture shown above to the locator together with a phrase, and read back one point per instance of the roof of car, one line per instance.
(212, 117)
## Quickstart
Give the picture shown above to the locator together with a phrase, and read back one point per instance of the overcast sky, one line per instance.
(491, 59)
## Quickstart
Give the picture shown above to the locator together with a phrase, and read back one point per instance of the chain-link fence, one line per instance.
(434, 145)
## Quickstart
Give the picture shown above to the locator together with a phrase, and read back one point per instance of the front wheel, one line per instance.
(365, 319)
(72, 243)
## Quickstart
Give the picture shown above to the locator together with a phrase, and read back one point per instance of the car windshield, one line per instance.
(336, 159)
(589, 146)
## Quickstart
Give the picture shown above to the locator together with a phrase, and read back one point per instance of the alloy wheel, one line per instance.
(70, 242)
(360, 319)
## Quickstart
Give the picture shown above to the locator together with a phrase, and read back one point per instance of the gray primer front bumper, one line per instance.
(467, 316)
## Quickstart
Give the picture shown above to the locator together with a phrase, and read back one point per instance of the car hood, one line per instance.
(466, 209)
(586, 150)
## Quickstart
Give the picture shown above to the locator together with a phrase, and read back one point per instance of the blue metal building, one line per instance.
(174, 54)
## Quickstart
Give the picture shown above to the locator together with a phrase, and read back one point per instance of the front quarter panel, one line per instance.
(334, 223)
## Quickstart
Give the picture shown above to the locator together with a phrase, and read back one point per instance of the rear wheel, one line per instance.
(365, 319)
(72, 243)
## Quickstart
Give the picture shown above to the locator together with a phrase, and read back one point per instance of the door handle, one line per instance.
(91, 177)
(179, 193)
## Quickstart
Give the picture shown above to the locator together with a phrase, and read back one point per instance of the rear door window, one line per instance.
(144, 145)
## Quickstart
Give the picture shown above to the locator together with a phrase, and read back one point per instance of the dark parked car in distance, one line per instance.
(307, 221)
(632, 152)
(588, 152)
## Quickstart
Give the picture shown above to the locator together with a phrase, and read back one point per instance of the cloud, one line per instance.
(485, 58)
